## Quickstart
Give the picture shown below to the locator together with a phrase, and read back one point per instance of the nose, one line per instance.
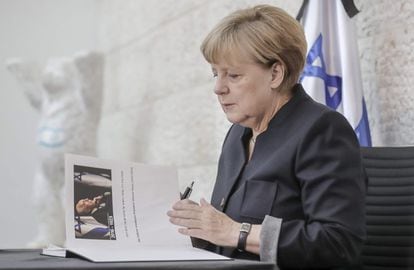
(221, 86)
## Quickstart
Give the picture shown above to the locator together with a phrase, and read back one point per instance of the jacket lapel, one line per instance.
(231, 164)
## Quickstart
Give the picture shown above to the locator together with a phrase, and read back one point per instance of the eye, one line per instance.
(234, 76)
(214, 75)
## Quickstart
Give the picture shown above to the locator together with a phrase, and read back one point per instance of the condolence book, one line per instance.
(116, 211)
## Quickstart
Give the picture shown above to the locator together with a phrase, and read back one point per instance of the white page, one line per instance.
(141, 195)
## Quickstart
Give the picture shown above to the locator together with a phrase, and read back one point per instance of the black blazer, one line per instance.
(305, 169)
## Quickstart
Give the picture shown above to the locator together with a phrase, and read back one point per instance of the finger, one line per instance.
(185, 201)
(203, 202)
(184, 231)
(177, 204)
(186, 205)
(190, 201)
(184, 214)
(184, 222)
(193, 233)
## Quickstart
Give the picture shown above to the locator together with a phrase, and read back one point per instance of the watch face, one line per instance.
(245, 227)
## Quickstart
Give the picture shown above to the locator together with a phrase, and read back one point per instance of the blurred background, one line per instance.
(158, 103)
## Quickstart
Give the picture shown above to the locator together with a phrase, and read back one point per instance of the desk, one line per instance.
(32, 260)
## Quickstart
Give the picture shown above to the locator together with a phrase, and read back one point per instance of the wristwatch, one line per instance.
(244, 232)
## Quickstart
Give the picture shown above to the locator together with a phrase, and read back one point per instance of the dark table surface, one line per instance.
(31, 259)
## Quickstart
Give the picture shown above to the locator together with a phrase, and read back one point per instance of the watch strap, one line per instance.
(244, 232)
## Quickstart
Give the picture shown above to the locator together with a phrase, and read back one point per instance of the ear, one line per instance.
(278, 74)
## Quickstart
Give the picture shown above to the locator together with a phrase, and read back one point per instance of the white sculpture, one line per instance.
(68, 93)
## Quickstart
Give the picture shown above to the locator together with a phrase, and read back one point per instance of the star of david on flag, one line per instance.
(332, 74)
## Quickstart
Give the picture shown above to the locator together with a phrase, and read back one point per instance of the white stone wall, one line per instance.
(386, 43)
(159, 105)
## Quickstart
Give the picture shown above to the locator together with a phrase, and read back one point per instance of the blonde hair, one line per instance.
(266, 34)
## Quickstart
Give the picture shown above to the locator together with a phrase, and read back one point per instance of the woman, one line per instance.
(289, 187)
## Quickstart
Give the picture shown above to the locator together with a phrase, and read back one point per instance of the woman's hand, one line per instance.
(205, 222)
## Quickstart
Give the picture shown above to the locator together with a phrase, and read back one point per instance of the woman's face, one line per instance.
(244, 90)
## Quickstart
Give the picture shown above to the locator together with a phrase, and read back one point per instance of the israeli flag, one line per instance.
(332, 73)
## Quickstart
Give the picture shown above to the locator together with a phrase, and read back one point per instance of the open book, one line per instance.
(116, 211)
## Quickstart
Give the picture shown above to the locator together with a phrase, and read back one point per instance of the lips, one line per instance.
(227, 106)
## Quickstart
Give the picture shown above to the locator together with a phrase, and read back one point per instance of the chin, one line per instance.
(234, 119)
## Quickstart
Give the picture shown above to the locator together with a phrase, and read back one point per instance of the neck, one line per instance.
(262, 126)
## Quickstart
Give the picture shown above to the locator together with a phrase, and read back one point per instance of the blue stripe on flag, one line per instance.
(362, 130)
(331, 81)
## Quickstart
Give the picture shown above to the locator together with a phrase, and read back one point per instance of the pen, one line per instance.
(187, 191)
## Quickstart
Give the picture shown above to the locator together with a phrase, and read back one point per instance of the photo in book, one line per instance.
(93, 208)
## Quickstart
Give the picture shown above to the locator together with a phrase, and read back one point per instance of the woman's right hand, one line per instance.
(205, 222)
